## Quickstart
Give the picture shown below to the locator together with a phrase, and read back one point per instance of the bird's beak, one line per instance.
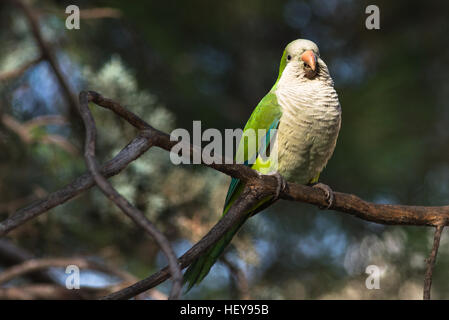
(310, 59)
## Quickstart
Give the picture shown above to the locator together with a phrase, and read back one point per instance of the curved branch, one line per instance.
(237, 212)
(135, 214)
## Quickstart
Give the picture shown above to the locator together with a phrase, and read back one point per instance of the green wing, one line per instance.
(265, 116)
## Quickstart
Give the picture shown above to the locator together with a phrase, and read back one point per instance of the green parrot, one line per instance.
(304, 109)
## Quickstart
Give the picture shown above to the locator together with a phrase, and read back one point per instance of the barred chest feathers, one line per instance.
(308, 128)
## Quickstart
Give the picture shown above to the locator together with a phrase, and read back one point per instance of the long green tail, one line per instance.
(201, 267)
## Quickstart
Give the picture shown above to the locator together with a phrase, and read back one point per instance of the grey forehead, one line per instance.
(301, 45)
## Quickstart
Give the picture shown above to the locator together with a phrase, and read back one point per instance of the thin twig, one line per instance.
(24, 265)
(99, 13)
(239, 279)
(45, 120)
(41, 291)
(135, 214)
(431, 262)
(11, 254)
(48, 54)
(33, 265)
(34, 269)
(90, 13)
(24, 131)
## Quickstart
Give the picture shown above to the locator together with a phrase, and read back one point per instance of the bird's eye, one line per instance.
(289, 57)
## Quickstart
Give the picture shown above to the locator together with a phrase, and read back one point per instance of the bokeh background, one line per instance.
(172, 62)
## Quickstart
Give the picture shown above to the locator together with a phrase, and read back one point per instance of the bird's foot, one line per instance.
(327, 192)
(282, 184)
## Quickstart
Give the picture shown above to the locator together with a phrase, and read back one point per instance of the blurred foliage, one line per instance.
(175, 62)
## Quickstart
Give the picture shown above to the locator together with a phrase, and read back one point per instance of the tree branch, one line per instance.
(88, 14)
(135, 214)
(99, 13)
(39, 291)
(431, 262)
(33, 265)
(258, 186)
(10, 255)
(24, 131)
(239, 279)
(237, 212)
(132, 151)
(48, 54)
(25, 265)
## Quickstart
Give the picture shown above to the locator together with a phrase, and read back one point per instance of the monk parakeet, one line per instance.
(303, 106)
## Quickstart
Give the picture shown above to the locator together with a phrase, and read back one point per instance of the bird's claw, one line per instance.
(282, 184)
(327, 192)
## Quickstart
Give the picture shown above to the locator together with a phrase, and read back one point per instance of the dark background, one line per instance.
(175, 62)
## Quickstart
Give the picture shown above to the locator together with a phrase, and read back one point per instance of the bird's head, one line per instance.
(301, 59)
